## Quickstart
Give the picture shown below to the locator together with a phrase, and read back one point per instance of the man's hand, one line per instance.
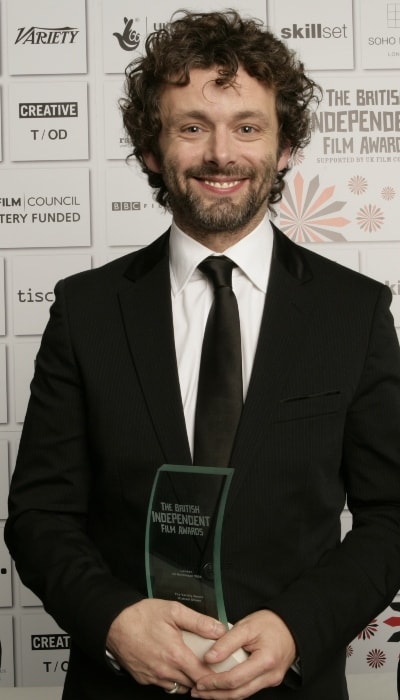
(146, 641)
(272, 651)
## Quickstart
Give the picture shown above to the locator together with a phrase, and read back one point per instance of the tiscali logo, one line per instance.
(46, 35)
(315, 31)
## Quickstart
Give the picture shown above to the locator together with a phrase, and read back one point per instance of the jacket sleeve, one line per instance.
(47, 528)
(332, 602)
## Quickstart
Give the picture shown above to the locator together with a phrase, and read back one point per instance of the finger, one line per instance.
(175, 688)
(232, 642)
(242, 681)
(187, 619)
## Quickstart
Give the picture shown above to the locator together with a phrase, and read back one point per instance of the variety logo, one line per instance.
(35, 110)
(314, 31)
(46, 35)
(129, 40)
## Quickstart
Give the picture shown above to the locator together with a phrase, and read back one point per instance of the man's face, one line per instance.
(219, 154)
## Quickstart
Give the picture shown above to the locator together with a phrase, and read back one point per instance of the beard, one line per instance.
(194, 213)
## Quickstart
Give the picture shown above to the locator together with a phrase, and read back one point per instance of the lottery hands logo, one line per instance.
(129, 40)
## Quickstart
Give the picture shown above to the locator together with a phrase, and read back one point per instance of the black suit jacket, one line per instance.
(321, 421)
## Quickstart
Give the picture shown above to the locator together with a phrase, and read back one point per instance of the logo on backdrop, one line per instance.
(35, 110)
(39, 642)
(314, 31)
(46, 35)
(129, 40)
(393, 15)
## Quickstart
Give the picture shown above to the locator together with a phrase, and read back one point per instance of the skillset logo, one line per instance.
(315, 31)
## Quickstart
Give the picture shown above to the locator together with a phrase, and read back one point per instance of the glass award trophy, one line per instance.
(183, 543)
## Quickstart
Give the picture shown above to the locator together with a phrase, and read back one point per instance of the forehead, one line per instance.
(203, 92)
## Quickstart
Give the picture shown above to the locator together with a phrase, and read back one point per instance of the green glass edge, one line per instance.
(222, 471)
(195, 469)
(217, 548)
(147, 537)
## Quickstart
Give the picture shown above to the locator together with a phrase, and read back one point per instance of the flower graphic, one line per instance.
(305, 213)
(369, 630)
(376, 658)
(370, 218)
(296, 158)
(358, 184)
(388, 193)
(349, 651)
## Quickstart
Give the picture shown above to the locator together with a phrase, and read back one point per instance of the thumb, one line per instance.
(203, 625)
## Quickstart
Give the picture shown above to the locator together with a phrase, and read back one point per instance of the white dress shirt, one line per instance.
(192, 296)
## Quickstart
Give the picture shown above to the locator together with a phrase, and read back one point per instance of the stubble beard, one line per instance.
(195, 215)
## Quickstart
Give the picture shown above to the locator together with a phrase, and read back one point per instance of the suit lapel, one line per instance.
(284, 323)
(145, 299)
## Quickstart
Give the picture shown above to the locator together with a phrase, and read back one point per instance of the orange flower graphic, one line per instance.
(306, 212)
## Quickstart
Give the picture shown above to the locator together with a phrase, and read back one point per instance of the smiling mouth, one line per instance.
(222, 185)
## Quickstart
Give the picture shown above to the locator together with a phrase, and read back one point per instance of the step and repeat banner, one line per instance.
(69, 201)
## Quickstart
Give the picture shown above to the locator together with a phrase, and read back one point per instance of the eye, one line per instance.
(247, 129)
(192, 129)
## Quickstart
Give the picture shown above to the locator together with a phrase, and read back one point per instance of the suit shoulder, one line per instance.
(334, 272)
(111, 270)
(337, 273)
(111, 273)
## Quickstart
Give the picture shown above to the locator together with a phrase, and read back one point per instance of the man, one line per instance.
(214, 108)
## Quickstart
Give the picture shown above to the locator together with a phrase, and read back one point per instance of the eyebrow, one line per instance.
(199, 115)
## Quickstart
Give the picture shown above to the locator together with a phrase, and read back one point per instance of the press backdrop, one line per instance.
(68, 201)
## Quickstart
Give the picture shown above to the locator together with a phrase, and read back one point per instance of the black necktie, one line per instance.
(220, 391)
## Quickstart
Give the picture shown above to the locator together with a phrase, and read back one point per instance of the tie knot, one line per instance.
(218, 269)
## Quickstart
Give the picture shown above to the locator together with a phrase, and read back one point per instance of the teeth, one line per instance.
(221, 185)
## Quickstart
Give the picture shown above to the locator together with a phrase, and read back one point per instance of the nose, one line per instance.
(220, 149)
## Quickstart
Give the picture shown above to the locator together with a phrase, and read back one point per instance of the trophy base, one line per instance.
(200, 645)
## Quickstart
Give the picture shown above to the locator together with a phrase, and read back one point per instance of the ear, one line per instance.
(152, 162)
(284, 158)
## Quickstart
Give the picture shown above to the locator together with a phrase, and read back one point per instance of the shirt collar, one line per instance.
(252, 254)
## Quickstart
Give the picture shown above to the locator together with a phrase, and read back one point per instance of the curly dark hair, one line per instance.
(226, 41)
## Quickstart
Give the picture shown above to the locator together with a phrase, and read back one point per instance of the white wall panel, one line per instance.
(2, 300)
(33, 280)
(44, 208)
(50, 121)
(46, 37)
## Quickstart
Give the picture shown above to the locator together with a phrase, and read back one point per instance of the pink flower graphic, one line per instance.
(358, 184)
(370, 218)
(305, 213)
(297, 158)
(388, 193)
